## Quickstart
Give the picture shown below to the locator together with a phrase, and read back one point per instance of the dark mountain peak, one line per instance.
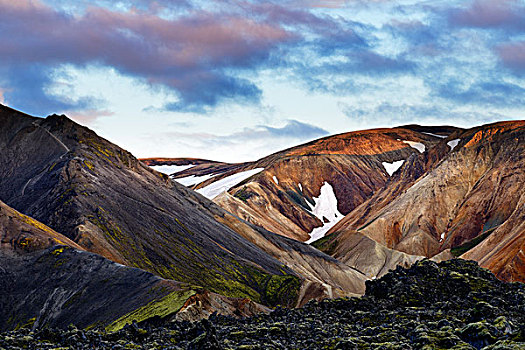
(108, 202)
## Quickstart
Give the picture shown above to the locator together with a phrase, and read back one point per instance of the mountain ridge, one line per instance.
(110, 203)
(283, 203)
(477, 179)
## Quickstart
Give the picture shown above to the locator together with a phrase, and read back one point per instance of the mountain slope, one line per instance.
(466, 190)
(49, 280)
(108, 202)
(302, 191)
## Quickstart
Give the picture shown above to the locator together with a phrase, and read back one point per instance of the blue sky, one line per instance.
(236, 80)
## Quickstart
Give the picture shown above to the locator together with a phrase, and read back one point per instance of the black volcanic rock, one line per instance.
(451, 305)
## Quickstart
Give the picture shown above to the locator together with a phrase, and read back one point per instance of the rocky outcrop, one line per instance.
(366, 255)
(454, 304)
(21, 234)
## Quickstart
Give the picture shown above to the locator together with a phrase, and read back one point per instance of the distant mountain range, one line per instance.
(379, 198)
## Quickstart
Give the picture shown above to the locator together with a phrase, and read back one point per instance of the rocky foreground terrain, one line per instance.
(451, 305)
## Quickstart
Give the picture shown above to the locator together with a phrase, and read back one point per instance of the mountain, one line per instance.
(302, 191)
(405, 193)
(451, 305)
(463, 197)
(50, 281)
(109, 203)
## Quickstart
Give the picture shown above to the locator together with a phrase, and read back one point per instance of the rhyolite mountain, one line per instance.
(463, 197)
(451, 305)
(282, 197)
(109, 203)
(406, 193)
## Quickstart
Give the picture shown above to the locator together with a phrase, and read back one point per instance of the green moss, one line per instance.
(326, 244)
(168, 305)
(465, 247)
(243, 194)
(89, 165)
(28, 324)
(30, 221)
(282, 290)
(58, 251)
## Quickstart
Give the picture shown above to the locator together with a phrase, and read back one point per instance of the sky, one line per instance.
(237, 80)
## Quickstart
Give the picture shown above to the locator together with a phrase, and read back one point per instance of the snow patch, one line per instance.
(275, 180)
(392, 167)
(325, 208)
(214, 189)
(301, 187)
(417, 145)
(442, 237)
(193, 180)
(435, 135)
(171, 169)
(452, 144)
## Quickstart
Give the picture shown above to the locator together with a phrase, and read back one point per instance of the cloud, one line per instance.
(26, 88)
(388, 114)
(483, 93)
(206, 92)
(88, 117)
(155, 6)
(193, 55)
(373, 63)
(509, 14)
(205, 57)
(248, 144)
(295, 129)
(2, 98)
(513, 56)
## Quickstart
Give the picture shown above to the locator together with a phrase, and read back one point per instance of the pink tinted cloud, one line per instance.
(114, 36)
(513, 55)
(490, 13)
(339, 3)
(89, 116)
(189, 53)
